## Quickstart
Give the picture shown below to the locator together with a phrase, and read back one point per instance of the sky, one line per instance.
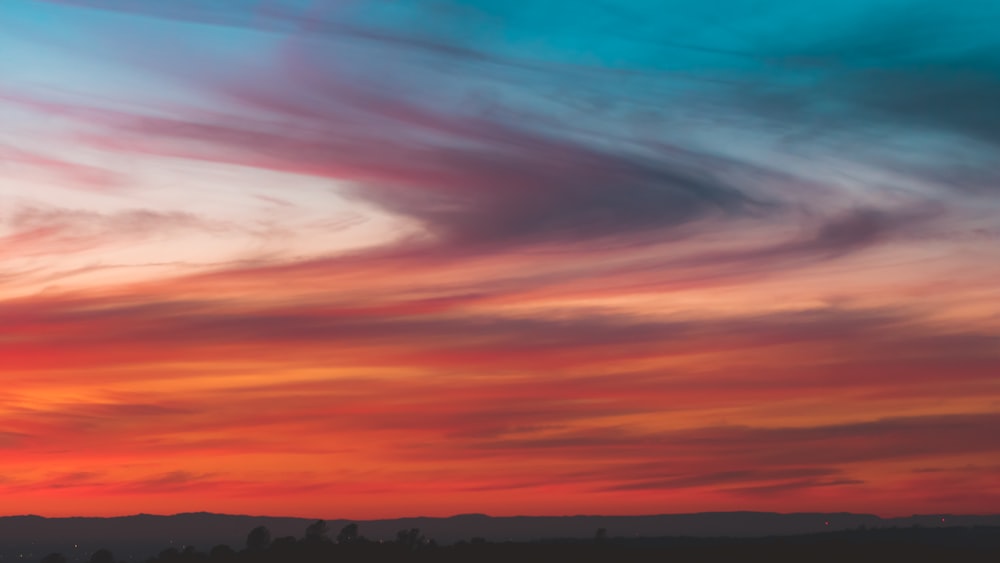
(371, 258)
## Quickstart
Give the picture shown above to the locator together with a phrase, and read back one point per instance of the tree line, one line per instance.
(319, 544)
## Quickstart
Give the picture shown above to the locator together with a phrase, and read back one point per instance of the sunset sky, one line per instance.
(372, 258)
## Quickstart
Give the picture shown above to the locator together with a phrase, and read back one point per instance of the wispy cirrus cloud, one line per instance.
(74, 174)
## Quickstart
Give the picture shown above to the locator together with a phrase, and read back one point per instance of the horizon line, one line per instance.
(479, 514)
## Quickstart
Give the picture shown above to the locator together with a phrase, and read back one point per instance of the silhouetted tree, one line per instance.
(411, 539)
(54, 558)
(601, 535)
(259, 538)
(222, 552)
(102, 556)
(317, 531)
(170, 554)
(348, 534)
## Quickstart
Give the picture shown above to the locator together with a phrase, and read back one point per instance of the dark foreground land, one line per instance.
(956, 544)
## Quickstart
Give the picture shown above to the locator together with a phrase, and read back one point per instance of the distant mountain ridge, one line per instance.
(139, 536)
